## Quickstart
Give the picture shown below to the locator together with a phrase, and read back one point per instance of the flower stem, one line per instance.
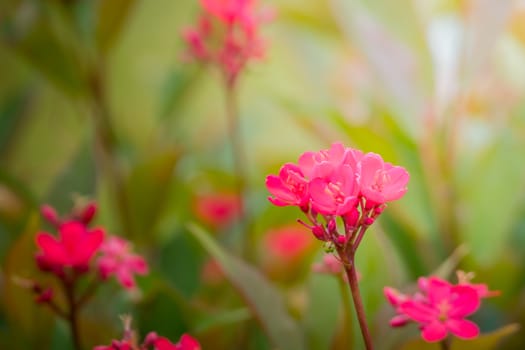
(72, 316)
(351, 273)
(239, 164)
(445, 344)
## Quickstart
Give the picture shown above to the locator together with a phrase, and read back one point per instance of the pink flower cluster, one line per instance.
(227, 34)
(151, 341)
(72, 252)
(440, 307)
(338, 182)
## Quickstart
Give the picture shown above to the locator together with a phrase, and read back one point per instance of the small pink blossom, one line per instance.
(186, 342)
(381, 182)
(217, 209)
(289, 188)
(288, 244)
(118, 260)
(330, 265)
(74, 247)
(439, 308)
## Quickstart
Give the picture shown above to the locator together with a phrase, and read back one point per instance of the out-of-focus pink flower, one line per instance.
(288, 243)
(439, 308)
(217, 209)
(116, 345)
(117, 259)
(289, 188)
(74, 247)
(227, 35)
(330, 265)
(186, 342)
(381, 182)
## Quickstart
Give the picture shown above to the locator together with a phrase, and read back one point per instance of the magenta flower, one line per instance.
(74, 247)
(118, 260)
(289, 188)
(439, 307)
(217, 209)
(335, 194)
(186, 342)
(444, 311)
(381, 182)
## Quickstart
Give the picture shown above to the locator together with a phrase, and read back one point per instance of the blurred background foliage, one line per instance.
(97, 101)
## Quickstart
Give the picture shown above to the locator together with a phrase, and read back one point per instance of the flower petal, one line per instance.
(463, 329)
(434, 331)
(465, 300)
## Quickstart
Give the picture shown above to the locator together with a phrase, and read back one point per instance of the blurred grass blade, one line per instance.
(260, 296)
(112, 16)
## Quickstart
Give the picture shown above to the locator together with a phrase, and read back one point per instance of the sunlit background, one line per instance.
(435, 86)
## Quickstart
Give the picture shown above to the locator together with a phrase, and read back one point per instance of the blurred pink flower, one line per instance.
(439, 308)
(186, 342)
(118, 260)
(330, 265)
(217, 209)
(227, 34)
(74, 247)
(288, 243)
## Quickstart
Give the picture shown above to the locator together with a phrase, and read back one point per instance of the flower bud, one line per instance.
(319, 232)
(369, 221)
(50, 215)
(88, 213)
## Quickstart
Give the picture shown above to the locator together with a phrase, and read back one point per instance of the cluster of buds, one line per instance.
(440, 307)
(151, 341)
(338, 182)
(227, 34)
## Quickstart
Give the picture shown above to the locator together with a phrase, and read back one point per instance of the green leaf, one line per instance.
(485, 341)
(112, 16)
(29, 323)
(260, 296)
(148, 188)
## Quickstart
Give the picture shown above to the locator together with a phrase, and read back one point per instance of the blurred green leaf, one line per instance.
(77, 178)
(34, 36)
(320, 319)
(112, 16)
(148, 187)
(260, 296)
(489, 207)
(30, 324)
(178, 82)
(487, 341)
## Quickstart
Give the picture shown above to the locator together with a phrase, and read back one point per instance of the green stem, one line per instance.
(239, 164)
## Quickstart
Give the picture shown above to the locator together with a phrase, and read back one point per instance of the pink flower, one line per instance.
(217, 209)
(186, 342)
(74, 247)
(117, 259)
(440, 308)
(464, 279)
(335, 194)
(381, 182)
(288, 243)
(330, 265)
(227, 35)
(289, 188)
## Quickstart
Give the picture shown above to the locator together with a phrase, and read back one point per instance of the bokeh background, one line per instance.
(98, 100)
